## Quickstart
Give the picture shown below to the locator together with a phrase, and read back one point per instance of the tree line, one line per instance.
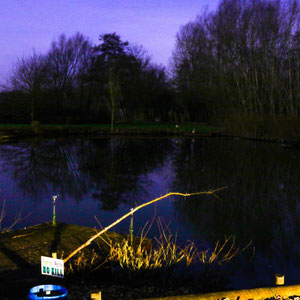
(76, 81)
(243, 59)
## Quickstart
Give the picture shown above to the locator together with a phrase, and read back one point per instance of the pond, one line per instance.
(106, 177)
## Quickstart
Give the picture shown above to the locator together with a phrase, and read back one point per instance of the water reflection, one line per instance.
(113, 170)
(119, 168)
(262, 183)
(261, 202)
(39, 166)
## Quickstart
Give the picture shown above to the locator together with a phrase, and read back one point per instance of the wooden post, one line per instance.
(279, 278)
(54, 215)
(96, 296)
(131, 228)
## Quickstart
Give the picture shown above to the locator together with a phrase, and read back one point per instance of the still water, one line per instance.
(106, 177)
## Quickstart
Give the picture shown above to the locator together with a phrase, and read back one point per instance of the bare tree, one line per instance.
(245, 52)
(29, 76)
(68, 59)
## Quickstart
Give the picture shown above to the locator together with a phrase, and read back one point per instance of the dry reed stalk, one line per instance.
(211, 192)
(17, 220)
(83, 262)
(166, 255)
(221, 254)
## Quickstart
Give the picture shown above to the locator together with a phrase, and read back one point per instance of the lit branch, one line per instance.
(211, 192)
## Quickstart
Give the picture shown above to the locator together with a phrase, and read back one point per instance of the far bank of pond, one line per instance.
(284, 132)
(12, 131)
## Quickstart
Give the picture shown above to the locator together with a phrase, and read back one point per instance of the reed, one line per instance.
(84, 262)
(17, 220)
(222, 253)
(164, 261)
(136, 257)
(166, 254)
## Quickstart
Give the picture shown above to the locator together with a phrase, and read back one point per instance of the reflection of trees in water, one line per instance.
(262, 200)
(38, 167)
(115, 170)
(119, 168)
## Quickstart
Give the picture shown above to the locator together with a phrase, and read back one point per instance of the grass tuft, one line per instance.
(166, 254)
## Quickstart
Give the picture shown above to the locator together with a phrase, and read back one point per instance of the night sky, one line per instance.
(27, 25)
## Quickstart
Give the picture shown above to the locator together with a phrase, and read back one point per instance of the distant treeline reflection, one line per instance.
(113, 170)
(262, 179)
(261, 203)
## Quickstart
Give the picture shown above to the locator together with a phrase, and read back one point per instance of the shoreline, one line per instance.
(13, 132)
(20, 270)
(20, 247)
(17, 131)
(21, 251)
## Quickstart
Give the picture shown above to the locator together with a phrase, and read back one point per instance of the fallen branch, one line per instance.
(212, 192)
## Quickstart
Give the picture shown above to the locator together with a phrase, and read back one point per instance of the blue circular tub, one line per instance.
(48, 291)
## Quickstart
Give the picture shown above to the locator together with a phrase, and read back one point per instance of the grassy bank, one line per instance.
(281, 131)
(25, 246)
(21, 251)
(9, 131)
(134, 269)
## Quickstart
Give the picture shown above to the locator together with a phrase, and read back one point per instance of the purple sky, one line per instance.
(32, 24)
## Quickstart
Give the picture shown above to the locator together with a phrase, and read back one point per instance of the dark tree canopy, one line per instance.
(111, 46)
(241, 60)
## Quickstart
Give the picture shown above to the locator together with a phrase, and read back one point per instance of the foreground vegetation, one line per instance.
(137, 263)
(133, 260)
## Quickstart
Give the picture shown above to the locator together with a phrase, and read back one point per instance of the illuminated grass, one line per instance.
(166, 253)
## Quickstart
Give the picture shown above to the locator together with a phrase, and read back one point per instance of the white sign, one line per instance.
(52, 266)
